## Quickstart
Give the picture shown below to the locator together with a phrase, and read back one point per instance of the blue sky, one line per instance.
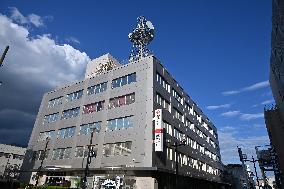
(210, 47)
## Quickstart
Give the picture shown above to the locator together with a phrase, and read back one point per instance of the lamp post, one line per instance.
(91, 154)
(176, 145)
(42, 158)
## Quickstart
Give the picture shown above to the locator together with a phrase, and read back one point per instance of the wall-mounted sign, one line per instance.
(158, 131)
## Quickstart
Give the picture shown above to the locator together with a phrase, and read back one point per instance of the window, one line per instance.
(97, 88)
(74, 96)
(178, 115)
(74, 112)
(121, 100)
(61, 153)
(164, 103)
(44, 135)
(120, 123)
(55, 102)
(88, 128)
(168, 128)
(40, 155)
(50, 118)
(66, 132)
(94, 107)
(177, 96)
(82, 151)
(119, 82)
(117, 149)
(163, 82)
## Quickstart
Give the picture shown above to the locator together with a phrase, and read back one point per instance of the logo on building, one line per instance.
(158, 131)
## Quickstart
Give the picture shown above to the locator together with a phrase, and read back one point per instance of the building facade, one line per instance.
(118, 103)
(274, 116)
(11, 159)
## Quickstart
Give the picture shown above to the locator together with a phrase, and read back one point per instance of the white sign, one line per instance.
(158, 131)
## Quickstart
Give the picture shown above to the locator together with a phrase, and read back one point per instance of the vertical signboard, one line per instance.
(158, 131)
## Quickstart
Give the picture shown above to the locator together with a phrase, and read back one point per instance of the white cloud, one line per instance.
(253, 87)
(33, 19)
(214, 107)
(267, 102)
(229, 142)
(231, 113)
(248, 117)
(72, 40)
(39, 58)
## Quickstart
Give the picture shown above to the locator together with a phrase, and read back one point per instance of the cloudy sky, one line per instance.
(218, 51)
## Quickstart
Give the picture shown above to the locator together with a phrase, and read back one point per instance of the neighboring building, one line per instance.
(235, 175)
(11, 159)
(118, 102)
(274, 117)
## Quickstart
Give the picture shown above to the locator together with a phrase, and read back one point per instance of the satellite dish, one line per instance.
(150, 25)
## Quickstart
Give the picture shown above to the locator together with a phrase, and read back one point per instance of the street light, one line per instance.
(42, 158)
(176, 145)
(91, 154)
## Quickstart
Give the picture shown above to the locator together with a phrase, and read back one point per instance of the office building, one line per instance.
(146, 130)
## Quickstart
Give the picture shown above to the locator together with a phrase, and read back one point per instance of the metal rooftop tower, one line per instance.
(141, 36)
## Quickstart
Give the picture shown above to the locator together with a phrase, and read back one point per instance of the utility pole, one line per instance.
(241, 155)
(253, 161)
(176, 145)
(91, 154)
(42, 158)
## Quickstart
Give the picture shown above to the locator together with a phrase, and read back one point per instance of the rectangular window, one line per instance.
(117, 149)
(94, 107)
(66, 132)
(177, 96)
(54, 102)
(164, 103)
(121, 81)
(168, 128)
(46, 135)
(163, 82)
(74, 96)
(74, 112)
(97, 88)
(61, 153)
(50, 118)
(88, 128)
(178, 115)
(120, 123)
(82, 151)
(121, 100)
(40, 155)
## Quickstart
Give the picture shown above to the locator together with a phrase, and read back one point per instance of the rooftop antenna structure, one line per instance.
(141, 36)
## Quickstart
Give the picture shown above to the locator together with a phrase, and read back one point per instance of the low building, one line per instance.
(11, 159)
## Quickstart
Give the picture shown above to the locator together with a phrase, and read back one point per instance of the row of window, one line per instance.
(88, 128)
(9, 155)
(121, 81)
(188, 141)
(95, 89)
(163, 82)
(90, 108)
(181, 100)
(110, 149)
(82, 151)
(120, 123)
(185, 160)
(117, 149)
(112, 124)
(164, 103)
